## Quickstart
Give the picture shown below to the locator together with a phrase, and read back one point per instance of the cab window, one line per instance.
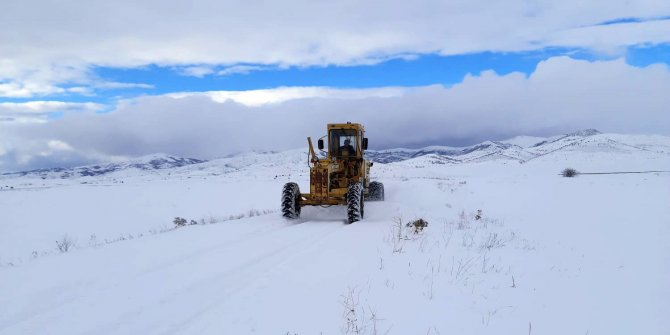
(343, 142)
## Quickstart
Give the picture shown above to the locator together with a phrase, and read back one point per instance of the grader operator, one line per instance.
(341, 178)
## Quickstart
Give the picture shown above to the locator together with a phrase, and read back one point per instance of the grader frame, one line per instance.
(342, 177)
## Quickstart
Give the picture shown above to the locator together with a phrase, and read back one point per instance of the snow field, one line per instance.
(548, 255)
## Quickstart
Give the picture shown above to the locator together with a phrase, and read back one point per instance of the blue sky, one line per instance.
(420, 70)
(647, 55)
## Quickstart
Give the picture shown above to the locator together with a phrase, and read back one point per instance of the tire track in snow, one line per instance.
(108, 296)
(218, 286)
(130, 276)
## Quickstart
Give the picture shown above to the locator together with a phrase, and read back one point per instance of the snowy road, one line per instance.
(160, 285)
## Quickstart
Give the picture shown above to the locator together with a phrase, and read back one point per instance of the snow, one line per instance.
(548, 255)
(525, 141)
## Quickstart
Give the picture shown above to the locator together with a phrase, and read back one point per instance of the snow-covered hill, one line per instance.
(144, 163)
(521, 149)
(510, 248)
(525, 148)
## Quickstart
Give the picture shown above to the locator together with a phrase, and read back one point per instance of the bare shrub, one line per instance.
(398, 235)
(468, 240)
(417, 225)
(463, 221)
(235, 217)
(93, 241)
(569, 172)
(478, 215)
(461, 270)
(65, 244)
(179, 222)
(429, 291)
(492, 242)
(352, 318)
(250, 213)
(447, 234)
(374, 320)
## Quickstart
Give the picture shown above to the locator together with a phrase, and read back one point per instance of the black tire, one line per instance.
(376, 191)
(355, 203)
(290, 201)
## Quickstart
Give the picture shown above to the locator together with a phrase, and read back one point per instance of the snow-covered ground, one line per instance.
(511, 247)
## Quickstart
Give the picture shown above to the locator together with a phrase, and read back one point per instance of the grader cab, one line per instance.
(341, 178)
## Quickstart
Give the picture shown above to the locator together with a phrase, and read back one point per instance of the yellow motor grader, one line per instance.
(341, 178)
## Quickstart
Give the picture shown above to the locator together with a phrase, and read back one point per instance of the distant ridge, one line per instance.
(519, 149)
(144, 163)
(585, 132)
(509, 149)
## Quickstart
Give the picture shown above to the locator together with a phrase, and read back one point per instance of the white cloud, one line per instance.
(562, 95)
(240, 69)
(196, 71)
(39, 111)
(57, 145)
(200, 71)
(282, 94)
(110, 85)
(27, 89)
(36, 75)
(38, 55)
(613, 37)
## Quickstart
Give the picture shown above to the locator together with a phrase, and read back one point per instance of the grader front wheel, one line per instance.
(290, 197)
(355, 202)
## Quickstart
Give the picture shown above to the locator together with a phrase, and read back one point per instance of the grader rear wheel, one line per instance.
(376, 191)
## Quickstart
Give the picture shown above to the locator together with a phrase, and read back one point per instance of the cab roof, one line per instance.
(347, 125)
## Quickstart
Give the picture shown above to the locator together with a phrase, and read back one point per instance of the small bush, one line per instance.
(492, 242)
(569, 173)
(463, 221)
(398, 235)
(353, 316)
(65, 244)
(179, 221)
(418, 225)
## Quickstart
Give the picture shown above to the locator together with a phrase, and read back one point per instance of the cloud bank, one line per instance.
(562, 95)
(49, 46)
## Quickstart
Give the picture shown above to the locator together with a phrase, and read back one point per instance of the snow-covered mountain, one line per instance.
(144, 163)
(525, 148)
(519, 149)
